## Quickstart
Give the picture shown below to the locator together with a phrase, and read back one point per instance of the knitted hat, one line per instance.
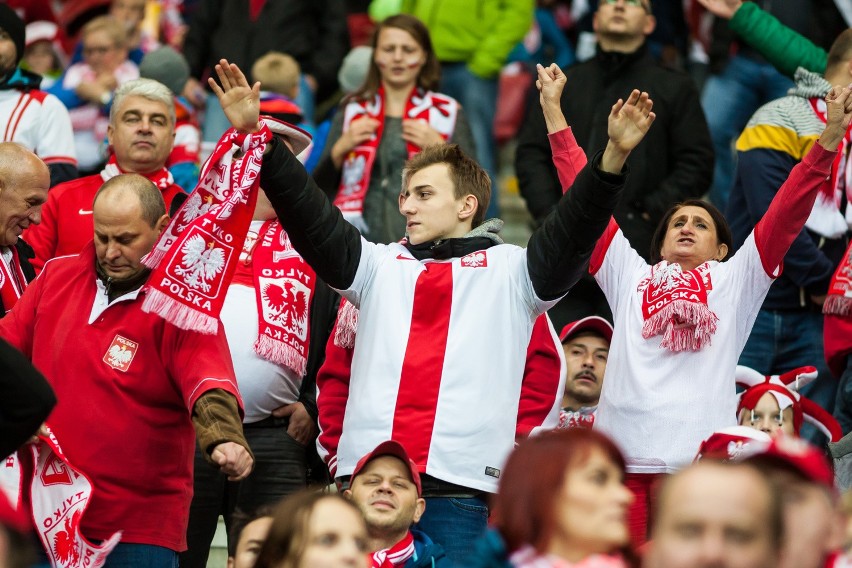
(14, 26)
(784, 389)
(800, 456)
(592, 323)
(395, 449)
(354, 68)
(734, 443)
(167, 66)
(298, 138)
(280, 107)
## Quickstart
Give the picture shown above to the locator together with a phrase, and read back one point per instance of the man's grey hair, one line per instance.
(147, 89)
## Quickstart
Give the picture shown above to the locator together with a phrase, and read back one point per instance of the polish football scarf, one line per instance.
(12, 279)
(438, 110)
(674, 305)
(826, 218)
(162, 178)
(583, 418)
(397, 555)
(195, 257)
(839, 299)
(59, 495)
(284, 286)
(528, 557)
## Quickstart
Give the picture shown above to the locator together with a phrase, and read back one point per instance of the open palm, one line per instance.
(240, 101)
(629, 121)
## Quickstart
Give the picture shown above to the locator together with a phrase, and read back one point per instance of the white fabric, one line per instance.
(264, 385)
(40, 122)
(492, 315)
(659, 405)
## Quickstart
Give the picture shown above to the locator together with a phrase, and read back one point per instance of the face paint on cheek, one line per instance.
(414, 65)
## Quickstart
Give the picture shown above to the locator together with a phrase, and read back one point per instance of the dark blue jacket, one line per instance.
(427, 554)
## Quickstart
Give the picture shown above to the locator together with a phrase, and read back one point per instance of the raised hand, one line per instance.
(838, 104)
(239, 100)
(627, 125)
(550, 82)
(722, 8)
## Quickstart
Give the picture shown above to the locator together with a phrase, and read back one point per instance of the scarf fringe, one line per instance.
(837, 305)
(281, 354)
(153, 259)
(179, 314)
(347, 326)
(690, 337)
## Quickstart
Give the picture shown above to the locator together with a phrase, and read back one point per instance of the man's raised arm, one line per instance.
(317, 230)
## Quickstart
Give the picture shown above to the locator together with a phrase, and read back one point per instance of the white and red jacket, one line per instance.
(40, 122)
(126, 382)
(542, 384)
(66, 217)
(657, 404)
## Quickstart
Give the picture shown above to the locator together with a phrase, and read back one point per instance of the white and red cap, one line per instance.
(298, 138)
(784, 389)
(734, 443)
(800, 456)
(390, 448)
(595, 324)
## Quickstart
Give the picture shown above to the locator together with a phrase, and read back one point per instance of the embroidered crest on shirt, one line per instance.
(476, 259)
(120, 353)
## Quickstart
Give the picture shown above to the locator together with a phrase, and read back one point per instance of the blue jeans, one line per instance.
(280, 468)
(455, 524)
(729, 99)
(141, 556)
(478, 97)
(783, 340)
(843, 406)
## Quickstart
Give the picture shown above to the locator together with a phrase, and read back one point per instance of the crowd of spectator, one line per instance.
(251, 269)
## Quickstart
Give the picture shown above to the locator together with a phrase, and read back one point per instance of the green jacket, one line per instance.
(480, 33)
(781, 46)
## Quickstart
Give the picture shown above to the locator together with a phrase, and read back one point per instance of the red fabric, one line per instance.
(645, 487)
(790, 208)
(837, 340)
(420, 379)
(12, 280)
(542, 375)
(255, 7)
(127, 425)
(332, 393)
(66, 219)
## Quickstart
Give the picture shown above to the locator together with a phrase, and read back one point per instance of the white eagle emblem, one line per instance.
(120, 356)
(475, 260)
(201, 262)
(353, 172)
(194, 208)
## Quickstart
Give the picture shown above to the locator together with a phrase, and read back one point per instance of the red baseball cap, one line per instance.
(596, 324)
(800, 456)
(733, 444)
(390, 448)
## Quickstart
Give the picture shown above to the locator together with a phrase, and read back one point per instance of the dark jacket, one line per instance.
(557, 254)
(427, 554)
(313, 32)
(674, 162)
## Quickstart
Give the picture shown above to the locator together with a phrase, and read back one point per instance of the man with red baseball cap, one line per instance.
(385, 485)
(813, 523)
(586, 346)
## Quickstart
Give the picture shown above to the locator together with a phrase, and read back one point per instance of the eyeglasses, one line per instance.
(634, 3)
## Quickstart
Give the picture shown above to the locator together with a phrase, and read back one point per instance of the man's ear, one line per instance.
(419, 509)
(347, 493)
(469, 206)
(650, 25)
(162, 223)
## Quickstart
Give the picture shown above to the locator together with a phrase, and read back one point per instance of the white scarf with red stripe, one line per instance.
(162, 178)
(826, 218)
(195, 257)
(397, 555)
(440, 111)
(59, 495)
(528, 557)
(674, 305)
(284, 286)
(12, 279)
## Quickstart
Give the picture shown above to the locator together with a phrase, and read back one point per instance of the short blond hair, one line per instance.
(277, 73)
(111, 26)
